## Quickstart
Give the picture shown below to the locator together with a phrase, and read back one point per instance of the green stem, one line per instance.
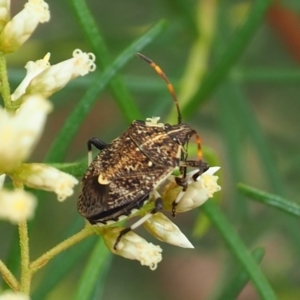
(8, 277)
(4, 85)
(24, 247)
(44, 259)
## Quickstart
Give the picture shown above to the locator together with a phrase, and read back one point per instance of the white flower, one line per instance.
(33, 69)
(43, 177)
(132, 246)
(10, 295)
(2, 179)
(153, 122)
(196, 194)
(4, 12)
(165, 230)
(21, 26)
(57, 76)
(20, 132)
(16, 205)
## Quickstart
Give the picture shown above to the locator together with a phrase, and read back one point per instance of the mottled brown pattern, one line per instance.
(133, 165)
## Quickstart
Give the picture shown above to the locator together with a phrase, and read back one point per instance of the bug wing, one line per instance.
(93, 197)
(101, 203)
(156, 144)
(131, 167)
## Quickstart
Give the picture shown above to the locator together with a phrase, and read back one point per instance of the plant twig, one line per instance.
(4, 85)
(8, 277)
(24, 247)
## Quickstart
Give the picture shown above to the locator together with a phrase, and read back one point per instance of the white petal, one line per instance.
(197, 191)
(2, 179)
(33, 69)
(58, 75)
(20, 132)
(132, 246)
(4, 12)
(212, 170)
(165, 230)
(44, 177)
(16, 205)
(21, 26)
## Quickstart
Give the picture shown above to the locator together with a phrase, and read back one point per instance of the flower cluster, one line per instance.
(22, 121)
(16, 31)
(10, 295)
(22, 127)
(132, 246)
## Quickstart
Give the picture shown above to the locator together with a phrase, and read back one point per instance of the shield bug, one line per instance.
(128, 170)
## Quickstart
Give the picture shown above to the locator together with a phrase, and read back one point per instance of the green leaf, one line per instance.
(278, 202)
(237, 283)
(248, 121)
(96, 267)
(238, 250)
(95, 38)
(60, 145)
(229, 57)
(263, 75)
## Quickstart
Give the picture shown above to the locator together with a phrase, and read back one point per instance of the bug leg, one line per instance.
(100, 145)
(184, 182)
(158, 206)
(181, 181)
(202, 168)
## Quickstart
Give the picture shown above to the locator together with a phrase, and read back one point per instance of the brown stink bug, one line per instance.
(128, 170)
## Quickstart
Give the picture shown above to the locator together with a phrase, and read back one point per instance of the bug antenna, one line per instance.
(164, 77)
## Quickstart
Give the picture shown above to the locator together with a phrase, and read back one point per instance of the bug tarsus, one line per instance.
(158, 206)
(123, 232)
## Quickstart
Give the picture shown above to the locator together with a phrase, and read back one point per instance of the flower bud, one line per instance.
(57, 76)
(196, 194)
(165, 230)
(4, 13)
(21, 26)
(2, 179)
(47, 178)
(19, 132)
(17, 205)
(33, 69)
(132, 246)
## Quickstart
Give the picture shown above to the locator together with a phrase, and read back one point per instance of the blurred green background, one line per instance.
(238, 86)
